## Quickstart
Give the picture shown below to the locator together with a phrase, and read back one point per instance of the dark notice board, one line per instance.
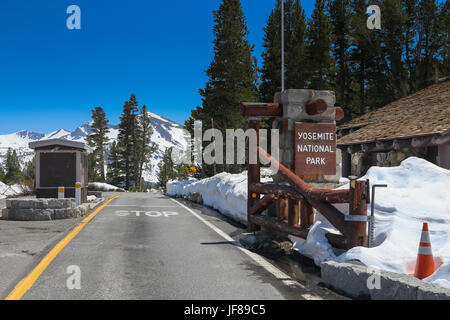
(58, 170)
(315, 148)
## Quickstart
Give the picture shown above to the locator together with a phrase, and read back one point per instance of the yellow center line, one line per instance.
(25, 284)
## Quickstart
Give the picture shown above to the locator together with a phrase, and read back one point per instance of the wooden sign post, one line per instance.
(315, 149)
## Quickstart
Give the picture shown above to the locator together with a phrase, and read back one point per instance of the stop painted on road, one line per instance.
(152, 214)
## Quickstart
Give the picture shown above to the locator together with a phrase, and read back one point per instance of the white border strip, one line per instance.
(277, 273)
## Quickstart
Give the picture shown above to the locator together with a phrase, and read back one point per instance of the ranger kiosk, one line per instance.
(61, 163)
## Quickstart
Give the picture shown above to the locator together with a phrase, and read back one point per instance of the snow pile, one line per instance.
(13, 191)
(100, 186)
(227, 193)
(418, 191)
(91, 198)
(224, 192)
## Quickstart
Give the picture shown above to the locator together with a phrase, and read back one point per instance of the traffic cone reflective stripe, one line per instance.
(425, 262)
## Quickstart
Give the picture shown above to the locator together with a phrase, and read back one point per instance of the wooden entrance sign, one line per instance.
(315, 149)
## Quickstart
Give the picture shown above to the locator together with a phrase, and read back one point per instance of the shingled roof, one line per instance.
(424, 113)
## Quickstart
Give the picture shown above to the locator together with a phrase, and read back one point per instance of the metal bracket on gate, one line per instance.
(357, 218)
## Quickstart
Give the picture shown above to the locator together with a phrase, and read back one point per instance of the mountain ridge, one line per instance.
(166, 134)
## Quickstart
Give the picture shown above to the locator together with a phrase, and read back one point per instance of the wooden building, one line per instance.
(61, 163)
(417, 125)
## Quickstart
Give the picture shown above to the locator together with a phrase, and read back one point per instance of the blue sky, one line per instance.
(51, 77)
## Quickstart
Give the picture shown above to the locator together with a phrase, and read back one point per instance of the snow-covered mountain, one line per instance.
(166, 134)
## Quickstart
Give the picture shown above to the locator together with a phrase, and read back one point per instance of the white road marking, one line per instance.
(277, 273)
(153, 214)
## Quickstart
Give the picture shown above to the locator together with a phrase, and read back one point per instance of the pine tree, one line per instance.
(364, 58)
(444, 28)
(166, 168)
(12, 165)
(271, 67)
(232, 74)
(93, 172)
(428, 41)
(135, 129)
(127, 141)
(295, 55)
(114, 173)
(2, 174)
(145, 146)
(30, 170)
(392, 45)
(410, 32)
(319, 48)
(340, 18)
(98, 140)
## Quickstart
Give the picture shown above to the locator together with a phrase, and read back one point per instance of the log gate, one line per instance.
(296, 200)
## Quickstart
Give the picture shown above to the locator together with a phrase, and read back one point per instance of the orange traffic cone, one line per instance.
(425, 266)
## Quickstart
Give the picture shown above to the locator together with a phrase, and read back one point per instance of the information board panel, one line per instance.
(315, 148)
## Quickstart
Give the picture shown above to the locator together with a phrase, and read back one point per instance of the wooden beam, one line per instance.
(281, 226)
(380, 145)
(278, 190)
(420, 142)
(398, 144)
(253, 109)
(441, 139)
(262, 204)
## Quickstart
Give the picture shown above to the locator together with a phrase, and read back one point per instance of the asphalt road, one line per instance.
(146, 246)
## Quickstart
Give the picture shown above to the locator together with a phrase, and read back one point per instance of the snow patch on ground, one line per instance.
(227, 193)
(224, 192)
(12, 191)
(100, 186)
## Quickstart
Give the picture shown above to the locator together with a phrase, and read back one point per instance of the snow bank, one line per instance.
(12, 191)
(99, 186)
(224, 192)
(227, 193)
(417, 192)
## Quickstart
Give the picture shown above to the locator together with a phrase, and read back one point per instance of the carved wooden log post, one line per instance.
(306, 215)
(254, 176)
(357, 226)
(282, 209)
(294, 212)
